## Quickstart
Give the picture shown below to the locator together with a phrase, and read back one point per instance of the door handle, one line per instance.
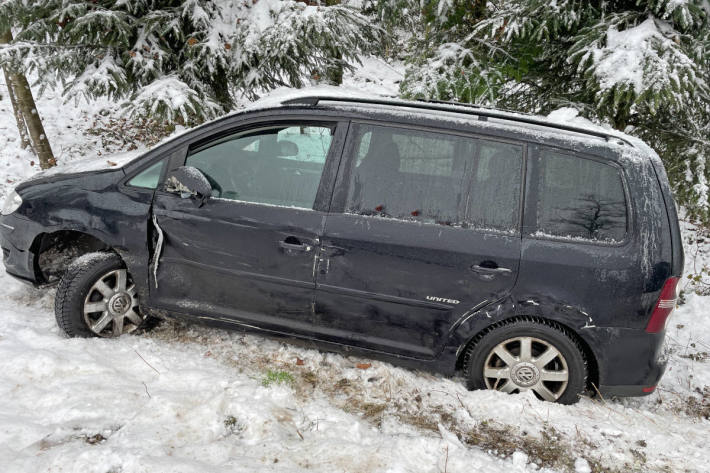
(489, 268)
(292, 245)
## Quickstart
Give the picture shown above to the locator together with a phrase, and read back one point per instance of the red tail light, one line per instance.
(664, 306)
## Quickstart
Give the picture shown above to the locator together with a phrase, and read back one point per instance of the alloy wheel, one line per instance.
(527, 363)
(111, 305)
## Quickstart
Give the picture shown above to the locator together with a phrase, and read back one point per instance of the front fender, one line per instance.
(94, 205)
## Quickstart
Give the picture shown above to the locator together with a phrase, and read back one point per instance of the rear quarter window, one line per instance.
(580, 198)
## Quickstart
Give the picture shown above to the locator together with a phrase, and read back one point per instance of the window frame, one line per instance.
(350, 156)
(532, 197)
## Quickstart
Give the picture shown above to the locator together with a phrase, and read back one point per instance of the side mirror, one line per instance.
(187, 181)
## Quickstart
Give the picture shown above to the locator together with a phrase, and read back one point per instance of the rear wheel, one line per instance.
(524, 355)
(97, 297)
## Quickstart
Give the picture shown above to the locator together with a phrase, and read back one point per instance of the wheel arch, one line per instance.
(592, 362)
(55, 250)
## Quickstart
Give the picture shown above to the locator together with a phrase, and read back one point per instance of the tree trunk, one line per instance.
(27, 109)
(19, 119)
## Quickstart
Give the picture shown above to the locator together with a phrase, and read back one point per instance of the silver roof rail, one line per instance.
(468, 109)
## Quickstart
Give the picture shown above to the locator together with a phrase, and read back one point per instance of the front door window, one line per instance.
(278, 165)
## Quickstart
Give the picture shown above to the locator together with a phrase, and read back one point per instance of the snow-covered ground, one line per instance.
(193, 399)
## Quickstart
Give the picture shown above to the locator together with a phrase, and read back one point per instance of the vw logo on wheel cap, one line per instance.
(525, 374)
(120, 303)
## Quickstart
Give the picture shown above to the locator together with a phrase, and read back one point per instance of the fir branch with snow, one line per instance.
(209, 53)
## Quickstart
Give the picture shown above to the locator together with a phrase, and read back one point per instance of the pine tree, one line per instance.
(182, 60)
(638, 66)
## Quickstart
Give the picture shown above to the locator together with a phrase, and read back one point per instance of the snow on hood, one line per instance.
(94, 163)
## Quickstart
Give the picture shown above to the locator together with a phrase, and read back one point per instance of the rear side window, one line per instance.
(435, 178)
(580, 198)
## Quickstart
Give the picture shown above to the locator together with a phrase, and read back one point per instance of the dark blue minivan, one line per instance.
(527, 254)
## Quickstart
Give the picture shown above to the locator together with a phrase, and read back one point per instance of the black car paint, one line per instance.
(604, 293)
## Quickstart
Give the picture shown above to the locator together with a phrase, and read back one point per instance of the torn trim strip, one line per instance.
(158, 250)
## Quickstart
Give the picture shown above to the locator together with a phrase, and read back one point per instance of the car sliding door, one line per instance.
(425, 226)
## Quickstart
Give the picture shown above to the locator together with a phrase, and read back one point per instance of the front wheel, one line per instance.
(525, 355)
(96, 297)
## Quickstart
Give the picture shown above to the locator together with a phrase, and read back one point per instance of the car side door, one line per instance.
(424, 227)
(247, 254)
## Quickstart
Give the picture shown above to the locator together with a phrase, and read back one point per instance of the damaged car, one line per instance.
(525, 255)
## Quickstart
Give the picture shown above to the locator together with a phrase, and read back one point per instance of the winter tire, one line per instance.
(523, 355)
(96, 297)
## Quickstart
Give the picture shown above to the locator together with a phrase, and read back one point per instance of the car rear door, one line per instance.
(247, 254)
(424, 228)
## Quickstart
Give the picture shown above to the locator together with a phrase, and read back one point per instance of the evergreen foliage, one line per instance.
(185, 60)
(639, 66)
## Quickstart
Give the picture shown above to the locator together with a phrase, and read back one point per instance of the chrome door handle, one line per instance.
(292, 247)
(477, 268)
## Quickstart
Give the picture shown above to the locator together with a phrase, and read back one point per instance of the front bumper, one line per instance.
(16, 237)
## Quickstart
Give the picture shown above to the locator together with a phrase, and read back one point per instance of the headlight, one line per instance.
(12, 203)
